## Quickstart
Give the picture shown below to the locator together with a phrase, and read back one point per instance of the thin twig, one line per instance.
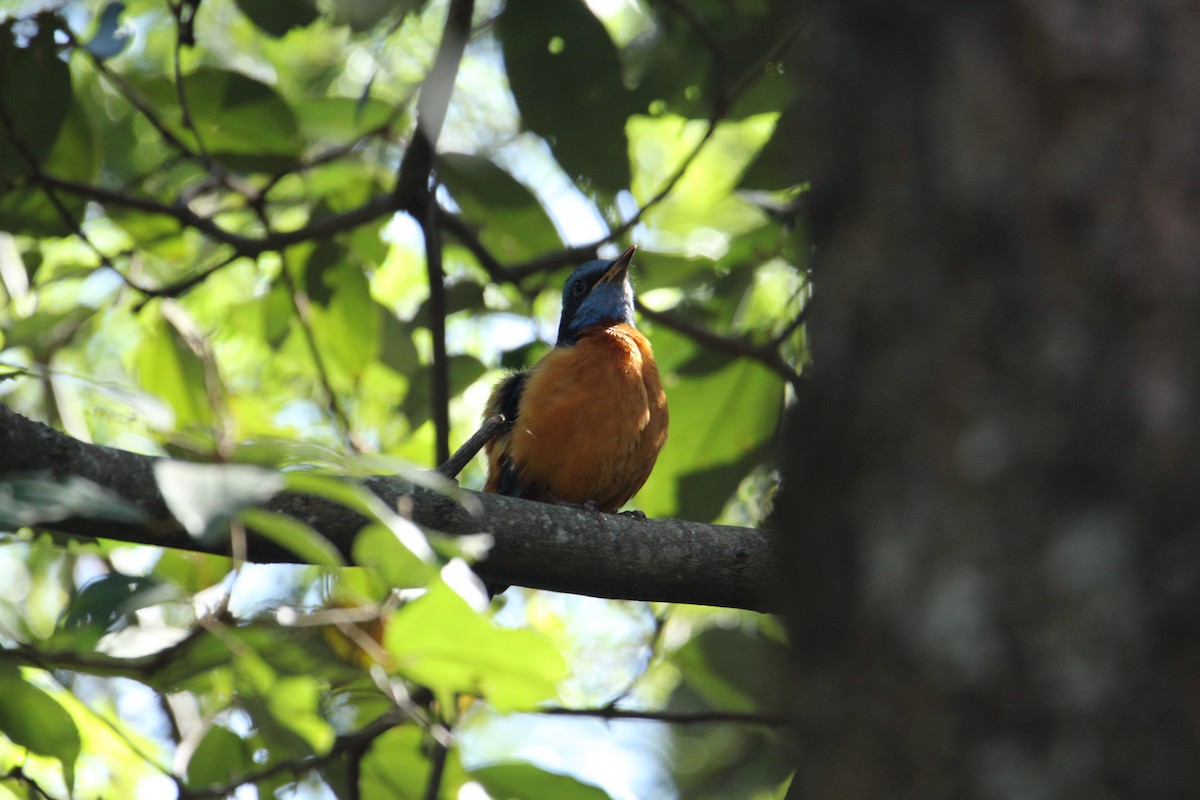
(356, 742)
(673, 717)
(197, 341)
(660, 624)
(35, 172)
(185, 113)
(720, 65)
(574, 255)
(463, 455)
(325, 227)
(439, 370)
(571, 255)
(179, 287)
(135, 99)
(18, 774)
(754, 71)
(764, 354)
(792, 326)
(301, 306)
(437, 768)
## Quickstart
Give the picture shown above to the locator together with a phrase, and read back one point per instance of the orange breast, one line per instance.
(591, 420)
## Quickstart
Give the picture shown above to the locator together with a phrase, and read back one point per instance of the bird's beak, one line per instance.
(619, 267)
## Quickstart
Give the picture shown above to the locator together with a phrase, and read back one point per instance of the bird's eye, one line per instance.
(578, 287)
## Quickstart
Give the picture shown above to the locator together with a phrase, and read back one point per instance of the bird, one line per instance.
(587, 421)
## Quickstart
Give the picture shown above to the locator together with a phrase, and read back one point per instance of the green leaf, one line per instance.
(342, 119)
(220, 757)
(523, 781)
(703, 200)
(35, 92)
(346, 328)
(74, 157)
(362, 15)
(566, 79)
(377, 548)
(464, 371)
(168, 368)
(33, 719)
(714, 664)
(515, 227)
(32, 499)
(108, 601)
(277, 313)
(360, 499)
(720, 417)
(277, 17)
(45, 331)
(191, 572)
(440, 642)
(310, 546)
(460, 296)
(203, 497)
(780, 164)
(524, 356)
(479, 186)
(295, 702)
(397, 349)
(235, 115)
(238, 120)
(397, 766)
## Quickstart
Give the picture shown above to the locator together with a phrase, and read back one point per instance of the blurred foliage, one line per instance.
(198, 259)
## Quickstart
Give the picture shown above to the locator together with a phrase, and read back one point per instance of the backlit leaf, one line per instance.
(203, 497)
(310, 546)
(439, 642)
(35, 91)
(277, 17)
(220, 756)
(31, 499)
(566, 79)
(32, 719)
(717, 418)
(528, 782)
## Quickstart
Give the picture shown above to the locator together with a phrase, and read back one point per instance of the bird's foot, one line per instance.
(590, 505)
(635, 513)
(586, 505)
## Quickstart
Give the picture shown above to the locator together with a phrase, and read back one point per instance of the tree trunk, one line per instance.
(996, 461)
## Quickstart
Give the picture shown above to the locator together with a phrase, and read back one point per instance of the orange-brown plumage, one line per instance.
(590, 416)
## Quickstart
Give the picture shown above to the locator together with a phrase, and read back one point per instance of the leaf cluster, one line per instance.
(309, 237)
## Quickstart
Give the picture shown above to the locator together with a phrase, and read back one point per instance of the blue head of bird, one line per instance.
(599, 291)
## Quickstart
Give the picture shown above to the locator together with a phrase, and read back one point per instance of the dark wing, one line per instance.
(506, 399)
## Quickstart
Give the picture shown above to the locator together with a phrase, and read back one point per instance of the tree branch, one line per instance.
(673, 717)
(372, 209)
(439, 368)
(562, 548)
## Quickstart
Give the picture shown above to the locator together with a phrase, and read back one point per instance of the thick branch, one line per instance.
(537, 545)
